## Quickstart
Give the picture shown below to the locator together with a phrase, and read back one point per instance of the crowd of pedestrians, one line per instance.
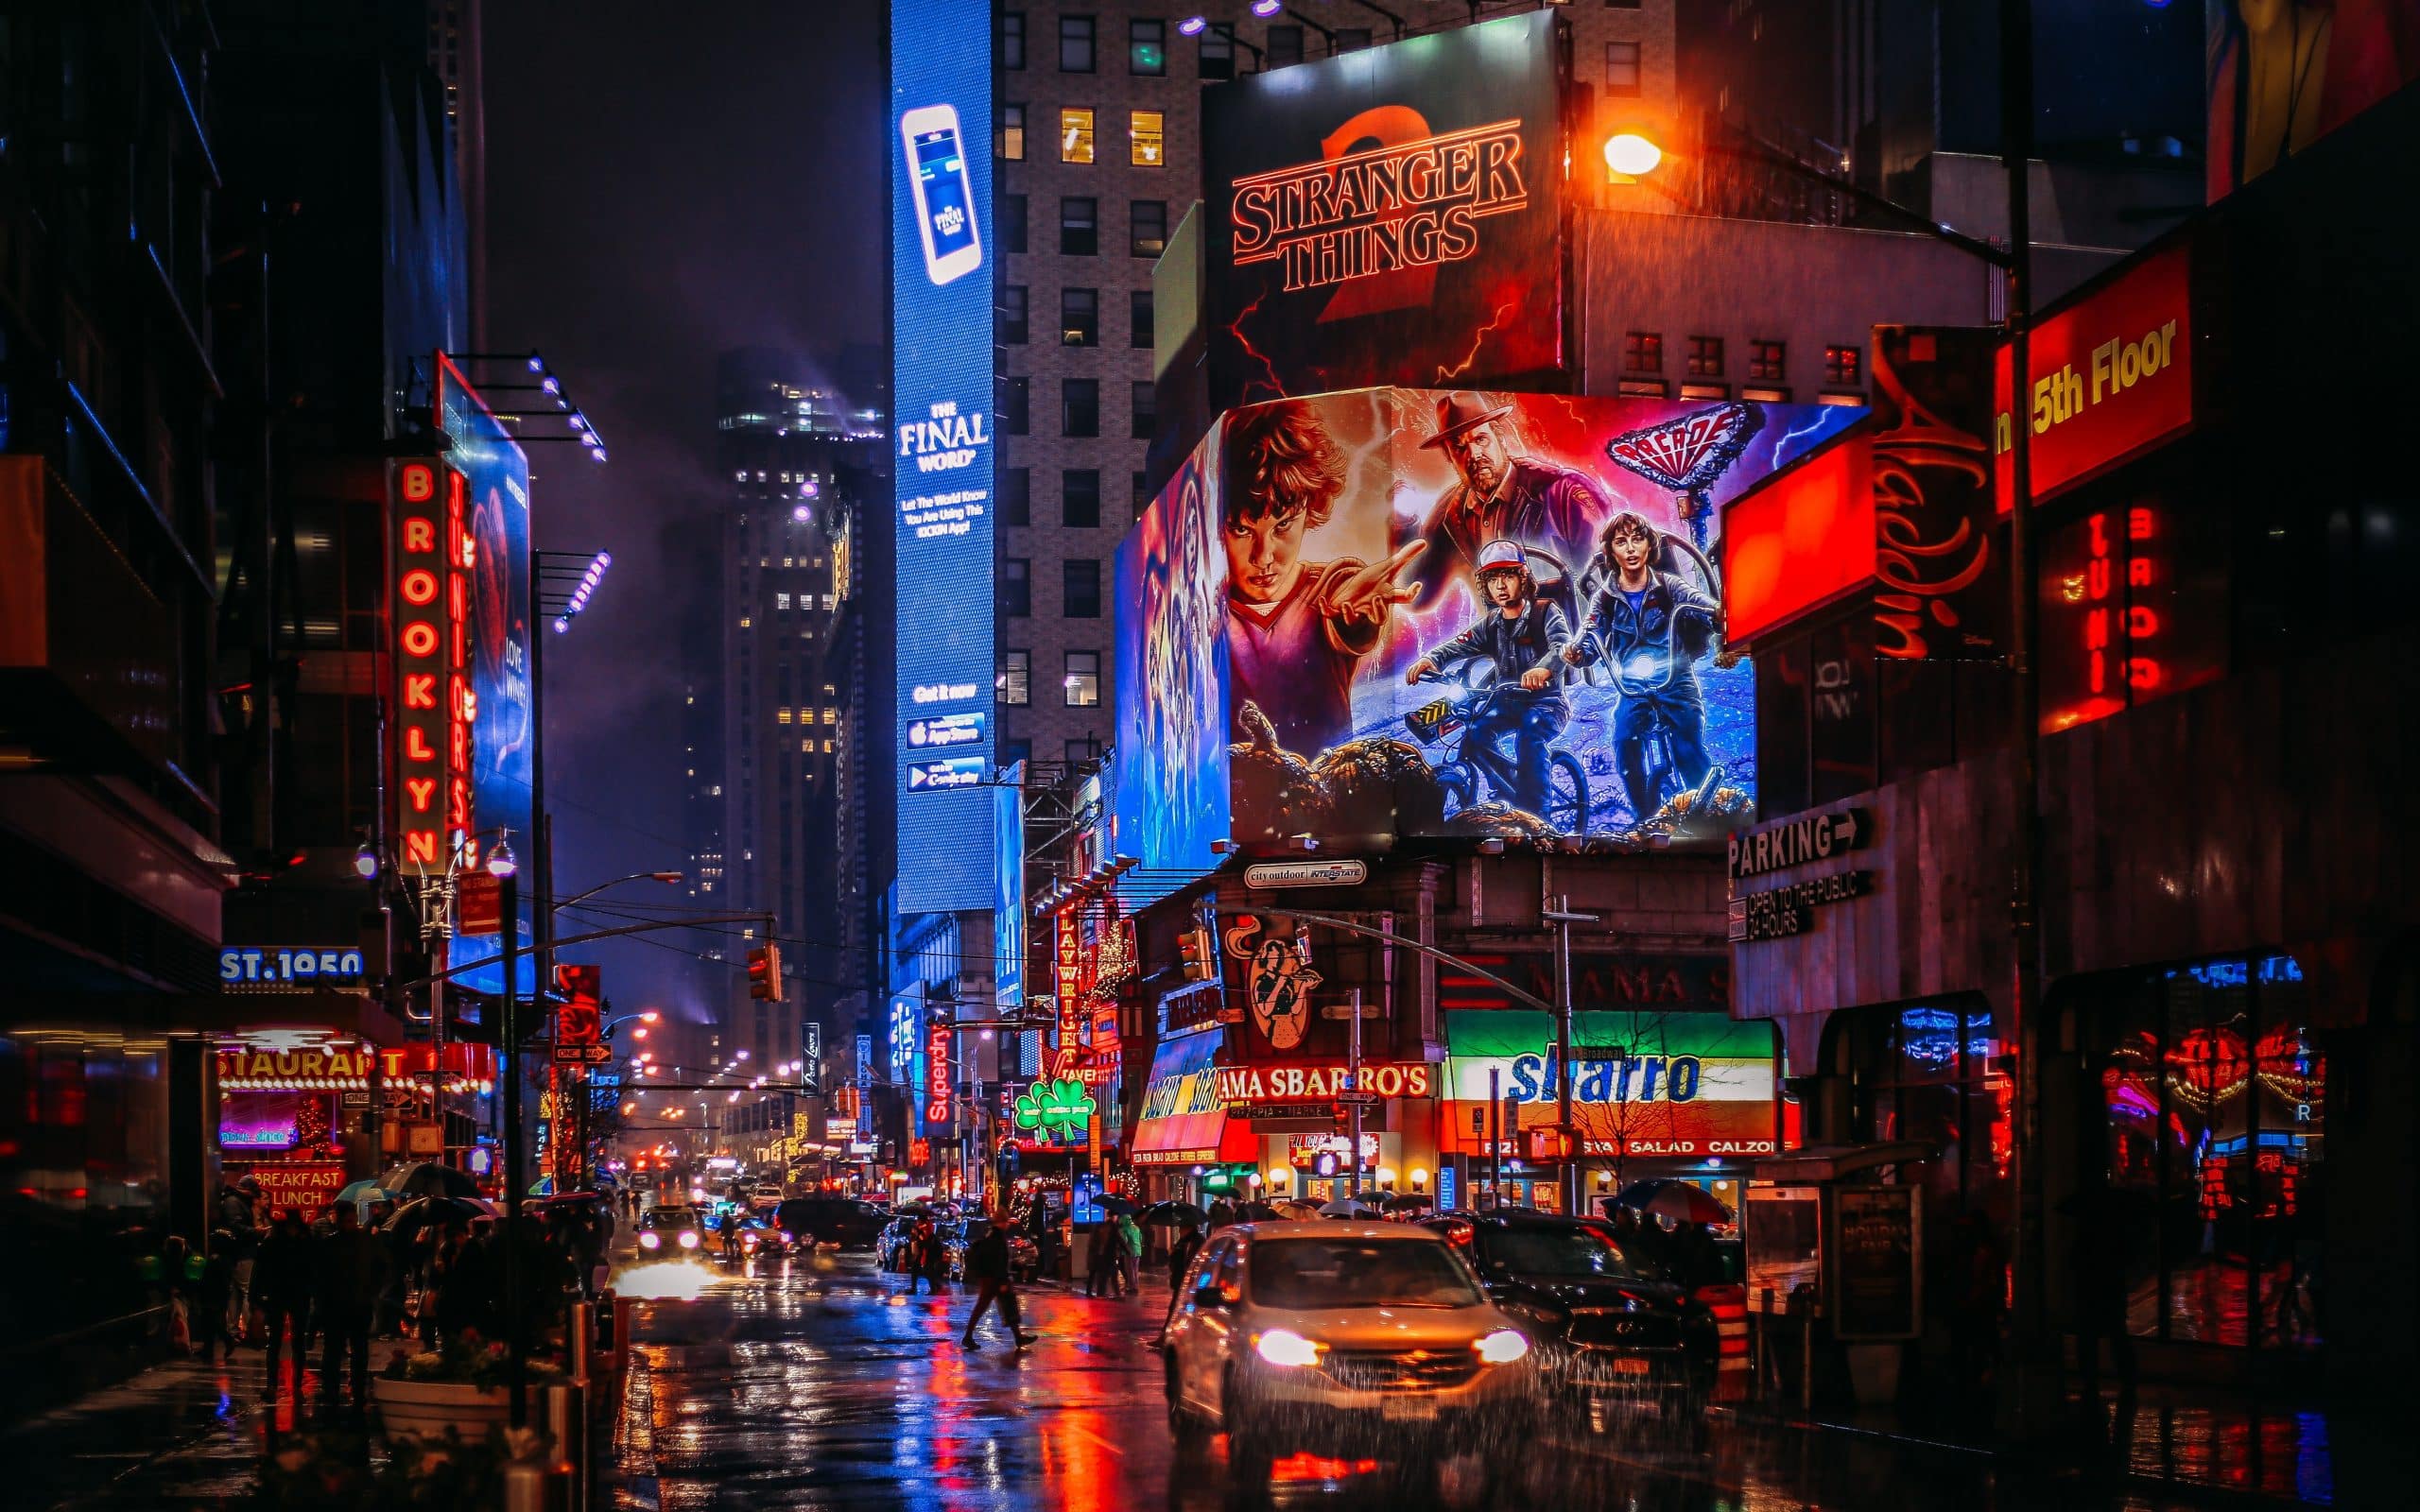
(281, 1279)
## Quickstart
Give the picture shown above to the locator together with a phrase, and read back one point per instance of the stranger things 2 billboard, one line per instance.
(1307, 648)
(1393, 215)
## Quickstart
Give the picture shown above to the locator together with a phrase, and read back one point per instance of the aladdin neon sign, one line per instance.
(1408, 205)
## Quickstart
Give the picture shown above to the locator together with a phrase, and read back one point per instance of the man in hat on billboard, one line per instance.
(1501, 497)
(1519, 634)
(1296, 631)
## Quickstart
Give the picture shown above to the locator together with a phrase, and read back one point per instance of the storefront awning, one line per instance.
(1184, 1123)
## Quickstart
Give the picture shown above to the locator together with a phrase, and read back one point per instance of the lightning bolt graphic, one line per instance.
(1781, 447)
(1478, 339)
(1235, 328)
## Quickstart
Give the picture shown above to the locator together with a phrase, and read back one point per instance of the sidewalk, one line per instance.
(179, 1434)
(2178, 1441)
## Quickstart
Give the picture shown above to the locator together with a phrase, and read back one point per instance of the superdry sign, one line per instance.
(1391, 215)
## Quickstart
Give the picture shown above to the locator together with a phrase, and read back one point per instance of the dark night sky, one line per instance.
(664, 183)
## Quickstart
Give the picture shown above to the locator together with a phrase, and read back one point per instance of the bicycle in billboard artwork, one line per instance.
(1488, 615)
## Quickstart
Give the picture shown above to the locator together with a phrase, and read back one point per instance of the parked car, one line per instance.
(1341, 1339)
(844, 1222)
(1605, 1319)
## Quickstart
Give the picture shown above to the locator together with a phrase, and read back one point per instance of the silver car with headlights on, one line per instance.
(1342, 1338)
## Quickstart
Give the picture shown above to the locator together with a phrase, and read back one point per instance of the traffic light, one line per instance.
(764, 973)
(1194, 948)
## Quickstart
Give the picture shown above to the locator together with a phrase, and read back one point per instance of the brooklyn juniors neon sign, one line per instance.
(1409, 204)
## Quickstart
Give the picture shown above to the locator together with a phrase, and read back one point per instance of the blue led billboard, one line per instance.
(495, 479)
(941, 327)
(1007, 890)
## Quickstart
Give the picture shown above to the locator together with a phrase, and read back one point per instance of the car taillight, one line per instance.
(748, 1241)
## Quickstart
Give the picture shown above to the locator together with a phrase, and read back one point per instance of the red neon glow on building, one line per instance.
(431, 625)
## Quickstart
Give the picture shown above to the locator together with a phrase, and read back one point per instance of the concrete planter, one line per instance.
(425, 1409)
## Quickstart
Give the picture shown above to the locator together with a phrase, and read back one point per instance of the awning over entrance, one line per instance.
(1184, 1123)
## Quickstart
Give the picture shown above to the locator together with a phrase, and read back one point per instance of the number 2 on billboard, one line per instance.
(944, 195)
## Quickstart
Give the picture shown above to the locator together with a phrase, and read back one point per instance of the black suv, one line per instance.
(842, 1221)
(1603, 1319)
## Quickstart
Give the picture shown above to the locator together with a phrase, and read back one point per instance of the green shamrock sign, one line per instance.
(1061, 1109)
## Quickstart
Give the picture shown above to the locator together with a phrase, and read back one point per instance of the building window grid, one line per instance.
(1079, 317)
(1147, 226)
(1081, 687)
(1016, 677)
(1075, 133)
(1080, 498)
(1013, 40)
(1705, 357)
(1078, 226)
(1843, 366)
(1139, 327)
(1012, 315)
(1621, 68)
(1643, 352)
(1080, 406)
(1012, 133)
(1767, 361)
(1076, 44)
(1146, 47)
(1079, 589)
(1145, 139)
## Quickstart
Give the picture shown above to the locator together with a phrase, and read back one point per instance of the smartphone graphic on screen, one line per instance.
(944, 195)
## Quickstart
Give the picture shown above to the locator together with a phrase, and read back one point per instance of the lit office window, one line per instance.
(1082, 682)
(1143, 136)
(1075, 134)
(1016, 677)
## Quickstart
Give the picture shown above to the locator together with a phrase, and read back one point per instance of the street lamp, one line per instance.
(1630, 157)
(670, 879)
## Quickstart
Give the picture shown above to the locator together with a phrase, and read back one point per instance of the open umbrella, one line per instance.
(421, 1211)
(1347, 1207)
(1117, 1206)
(1255, 1212)
(429, 1180)
(362, 1193)
(1174, 1214)
(1676, 1201)
(1409, 1202)
(1294, 1210)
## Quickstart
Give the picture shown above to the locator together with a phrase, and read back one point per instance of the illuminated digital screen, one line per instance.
(941, 193)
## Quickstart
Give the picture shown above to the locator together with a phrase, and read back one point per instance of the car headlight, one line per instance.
(649, 1241)
(688, 1239)
(788, 1238)
(1281, 1346)
(1503, 1346)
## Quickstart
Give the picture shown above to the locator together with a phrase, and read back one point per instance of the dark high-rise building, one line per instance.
(1902, 99)
(791, 451)
(218, 329)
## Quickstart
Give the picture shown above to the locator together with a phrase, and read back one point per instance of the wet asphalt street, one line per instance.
(822, 1385)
